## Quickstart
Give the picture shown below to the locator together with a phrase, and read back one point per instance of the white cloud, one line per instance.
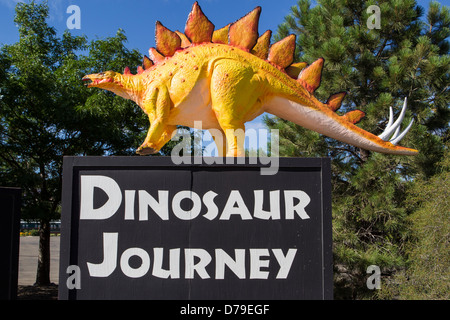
(57, 10)
(57, 7)
(10, 3)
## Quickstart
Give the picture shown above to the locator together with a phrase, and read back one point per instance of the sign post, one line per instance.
(10, 199)
(143, 228)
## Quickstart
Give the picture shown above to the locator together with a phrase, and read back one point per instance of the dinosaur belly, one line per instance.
(196, 106)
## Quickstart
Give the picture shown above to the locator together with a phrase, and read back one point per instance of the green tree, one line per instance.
(47, 113)
(408, 57)
(427, 271)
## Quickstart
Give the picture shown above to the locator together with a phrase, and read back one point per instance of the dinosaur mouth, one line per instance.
(89, 82)
(92, 81)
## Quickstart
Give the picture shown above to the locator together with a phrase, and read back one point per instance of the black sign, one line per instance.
(9, 241)
(144, 228)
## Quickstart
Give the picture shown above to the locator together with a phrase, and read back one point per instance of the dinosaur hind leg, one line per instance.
(220, 141)
(235, 97)
(235, 138)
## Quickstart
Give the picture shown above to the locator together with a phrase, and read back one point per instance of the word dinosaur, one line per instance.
(295, 202)
(230, 76)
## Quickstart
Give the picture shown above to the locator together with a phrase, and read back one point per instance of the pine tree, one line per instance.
(408, 57)
(428, 251)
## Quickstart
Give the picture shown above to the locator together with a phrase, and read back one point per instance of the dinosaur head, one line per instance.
(103, 80)
(125, 85)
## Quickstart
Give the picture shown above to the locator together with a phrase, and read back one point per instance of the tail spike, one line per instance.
(391, 118)
(244, 32)
(396, 134)
(396, 140)
(391, 127)
(198, 28)
(311, 76)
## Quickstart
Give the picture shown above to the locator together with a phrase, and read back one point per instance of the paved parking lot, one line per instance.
(28, 259)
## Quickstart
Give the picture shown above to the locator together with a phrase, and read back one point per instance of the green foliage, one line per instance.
(378, 68)
(428, 272)
(116, 125)
(47, 113)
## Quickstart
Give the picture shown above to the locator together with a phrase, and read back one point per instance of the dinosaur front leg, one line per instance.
(158, 135)
(157, 106)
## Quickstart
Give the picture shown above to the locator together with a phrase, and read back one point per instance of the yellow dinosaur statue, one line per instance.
(227, 77)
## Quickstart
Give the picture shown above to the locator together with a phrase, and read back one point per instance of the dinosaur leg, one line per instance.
(157, 137)
(220, 140)
(235, 141)
(235, 97)
(157, 108)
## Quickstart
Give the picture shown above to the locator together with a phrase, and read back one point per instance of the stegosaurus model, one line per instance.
(227, 77)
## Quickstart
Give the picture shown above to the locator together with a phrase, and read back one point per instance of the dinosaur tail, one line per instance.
(325, 121)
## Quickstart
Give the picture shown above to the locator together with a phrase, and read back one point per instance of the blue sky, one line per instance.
(102, 18)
